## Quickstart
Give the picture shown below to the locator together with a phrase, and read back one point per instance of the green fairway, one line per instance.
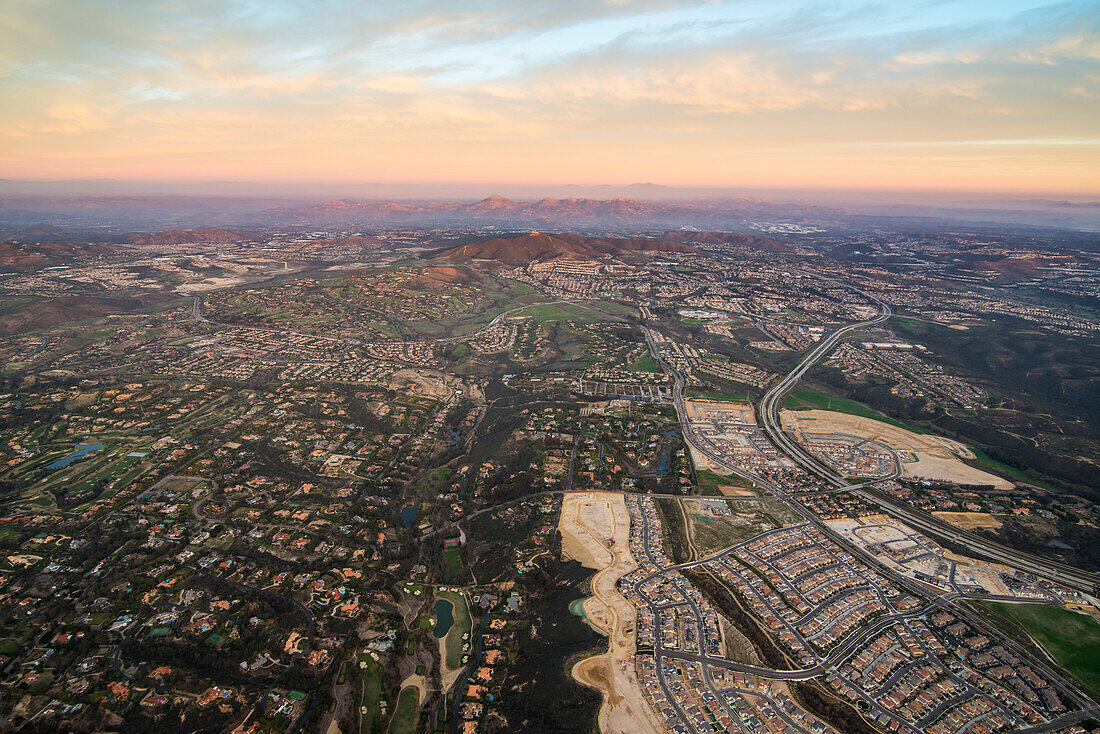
(1072, 639)
(404, 714)
(462, 625)
(372, 689)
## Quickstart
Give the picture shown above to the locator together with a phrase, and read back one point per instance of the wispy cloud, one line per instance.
(499, 88)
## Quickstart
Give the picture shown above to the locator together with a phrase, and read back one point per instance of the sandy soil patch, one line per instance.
(728, 490)
(931, 457)
(428, 384)
(213, 284)
(704, 409)
(419, 683)
(970, 520)
(595, 526)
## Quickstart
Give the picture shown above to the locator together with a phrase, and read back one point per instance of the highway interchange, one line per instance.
(768, 414)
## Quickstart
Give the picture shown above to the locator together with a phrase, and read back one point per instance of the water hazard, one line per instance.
(82, 450)
(444, 618)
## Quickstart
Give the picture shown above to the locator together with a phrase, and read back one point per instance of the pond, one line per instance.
(82, 450)
(408, 514)
(444, 618)
(577, 607)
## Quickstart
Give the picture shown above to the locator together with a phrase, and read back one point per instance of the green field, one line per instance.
(748, 518)
(1072, 639)
(811, 399)
(645, 364)
(706, 478)
(404, 714)
(462, 625)
(582, 313)
(549, 312)
(453, 558)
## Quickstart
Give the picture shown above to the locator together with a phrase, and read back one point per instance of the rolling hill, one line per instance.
(185, 237)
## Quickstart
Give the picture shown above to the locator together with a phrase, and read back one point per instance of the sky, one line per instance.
(893, 95)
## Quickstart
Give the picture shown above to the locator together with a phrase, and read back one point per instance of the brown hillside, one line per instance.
(17, 256)
(185, 237)
(65, 309)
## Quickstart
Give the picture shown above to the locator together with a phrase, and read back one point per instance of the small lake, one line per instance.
(577, 607)
(444, 618)
(408, 514)
(82, 450)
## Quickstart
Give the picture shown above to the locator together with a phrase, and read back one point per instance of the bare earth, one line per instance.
(701, 409)
(937, 457)
(419, 683)
(970, 520)
(589, 522)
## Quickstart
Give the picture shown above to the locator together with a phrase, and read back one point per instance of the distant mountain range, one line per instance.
(546, 211)
(100, 216)
(130, 212)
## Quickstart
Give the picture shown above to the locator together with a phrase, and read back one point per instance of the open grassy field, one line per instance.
(1072, 639)
(711, 533)
(453, 558)
(645, 364)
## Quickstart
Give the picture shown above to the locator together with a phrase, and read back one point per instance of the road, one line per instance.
(770, 424)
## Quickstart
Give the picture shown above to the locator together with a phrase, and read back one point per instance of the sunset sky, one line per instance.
(887, 94)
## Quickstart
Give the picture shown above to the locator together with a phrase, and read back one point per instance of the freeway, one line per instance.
(773, 429)
(769, 422)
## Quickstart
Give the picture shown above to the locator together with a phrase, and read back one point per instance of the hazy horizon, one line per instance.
(474, 191)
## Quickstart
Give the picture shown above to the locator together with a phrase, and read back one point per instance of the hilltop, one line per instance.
(22, 256)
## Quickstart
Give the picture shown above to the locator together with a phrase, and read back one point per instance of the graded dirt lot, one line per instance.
(970, 520)
(702, 409)
(420, 382)
(929, 457)
(595, 530)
